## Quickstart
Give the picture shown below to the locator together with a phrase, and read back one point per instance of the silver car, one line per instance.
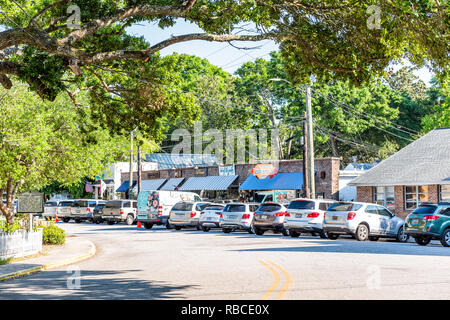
(364, 221)
(63, 210)
(186, 214)
(270, 216)
(210, 216)
(50, 209)
(80, 208)
(238, 216)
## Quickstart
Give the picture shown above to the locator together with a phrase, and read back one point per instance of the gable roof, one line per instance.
(425, 161)
(169, 161)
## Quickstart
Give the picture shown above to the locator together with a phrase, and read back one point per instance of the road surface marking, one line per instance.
(275, 282)
(286, 284)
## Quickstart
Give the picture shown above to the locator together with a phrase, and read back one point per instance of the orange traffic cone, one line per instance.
(139, 224)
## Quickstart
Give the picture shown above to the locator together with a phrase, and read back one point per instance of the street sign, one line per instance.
(30, 202)
(227, 170)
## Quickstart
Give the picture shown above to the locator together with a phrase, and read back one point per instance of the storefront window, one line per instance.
(444, 193)
(414, 195)
(385, 196)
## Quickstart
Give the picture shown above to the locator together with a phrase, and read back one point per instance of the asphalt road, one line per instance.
(136, 263)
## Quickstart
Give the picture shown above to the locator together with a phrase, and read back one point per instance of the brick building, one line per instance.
(420, 172)
(326, 176)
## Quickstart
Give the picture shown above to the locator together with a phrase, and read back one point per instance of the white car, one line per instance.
(306, 216)
(363, 221)
(210, 216)
(186, 214)
(238, 216)
(50, 209)
(63, 210)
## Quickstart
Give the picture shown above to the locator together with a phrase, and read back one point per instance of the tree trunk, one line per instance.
(334, 149)
(7, 209)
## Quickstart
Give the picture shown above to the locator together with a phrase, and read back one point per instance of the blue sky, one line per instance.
(218, 53)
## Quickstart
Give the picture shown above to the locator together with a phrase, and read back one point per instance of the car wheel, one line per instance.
(98, 221)
(362, 233)
(198, 227)
(177, 228)
(285, 232)
(129, 220)
(402, 236)
(66, 220)
(110, 222)
(226, 230)
(374, 238)
(168, 225)
(332, 236)
(323, 234)
(77, 221)
(259, 232)
(294, 234)
(148, 225)
(206, 229)
(445, 238)
(422, 240)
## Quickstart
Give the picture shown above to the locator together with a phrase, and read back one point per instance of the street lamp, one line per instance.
(309, 140)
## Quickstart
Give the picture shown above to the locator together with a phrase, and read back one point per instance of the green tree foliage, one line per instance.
(45, 141)
(438, 103)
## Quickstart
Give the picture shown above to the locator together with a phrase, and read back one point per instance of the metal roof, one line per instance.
(280, 181)
(147, 185)
(425, 161)
(125, 186)
(208, 183)
(169, 161)
(172, 184)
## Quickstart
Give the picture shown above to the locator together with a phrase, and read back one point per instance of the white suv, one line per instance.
(238, 216)
(306, 216)
(186, 214)
(363, 221)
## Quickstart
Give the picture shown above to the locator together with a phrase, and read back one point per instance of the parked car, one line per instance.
(96, 215)
(210, 216)
(154, 206)
(306, 216)
(270, 216)
(238, 216)
(186, 214)
(63, 210)
(429, 222)
(120, 211)
(364, 221)
(50, 209)
(80, 208)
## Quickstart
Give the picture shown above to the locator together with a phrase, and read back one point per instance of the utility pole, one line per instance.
(130, 190)
(139, 169)
(310, 144)
(306, 186)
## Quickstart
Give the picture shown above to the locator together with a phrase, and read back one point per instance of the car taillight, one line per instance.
(287, 214)
(88, 210)
(280, 214)
(351, 215)
(432, 217)
(160, 211)
(313, 215)
(245, 216)
(193, 214)
(121, 211)
(221, 216)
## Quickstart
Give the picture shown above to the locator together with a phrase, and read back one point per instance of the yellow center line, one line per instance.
(285, 286)
(275, 282)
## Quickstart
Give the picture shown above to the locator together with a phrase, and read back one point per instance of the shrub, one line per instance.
(53, 235)
(9, 228)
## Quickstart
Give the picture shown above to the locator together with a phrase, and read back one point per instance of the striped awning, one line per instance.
(280, 181)
(125, 186)
(208, 183)
(149, 185)
(172, 184)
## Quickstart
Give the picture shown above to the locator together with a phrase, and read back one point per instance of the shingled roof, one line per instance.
(425, 161)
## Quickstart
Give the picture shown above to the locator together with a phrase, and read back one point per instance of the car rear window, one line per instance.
(301, 204)
(113, 204)
(182, 206)
(234, 208)
(80, 203)
(65, 203)
(214, 208)
(344, 207)
(425, 210)
(201, 206)
(269, 207)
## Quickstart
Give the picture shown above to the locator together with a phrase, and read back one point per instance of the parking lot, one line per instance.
(134, 263)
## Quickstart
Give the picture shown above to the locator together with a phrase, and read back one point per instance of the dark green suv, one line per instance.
(429, 222)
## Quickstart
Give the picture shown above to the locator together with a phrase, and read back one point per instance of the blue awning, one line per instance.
(280, 181)
(208, 183)
(149, 185)
(125, 186)
(172, 184)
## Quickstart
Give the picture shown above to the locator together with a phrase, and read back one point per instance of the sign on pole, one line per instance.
(30, 202)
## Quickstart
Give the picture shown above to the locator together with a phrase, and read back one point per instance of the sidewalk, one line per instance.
(74, 250)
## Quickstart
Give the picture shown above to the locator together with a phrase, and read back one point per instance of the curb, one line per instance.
(44, 267)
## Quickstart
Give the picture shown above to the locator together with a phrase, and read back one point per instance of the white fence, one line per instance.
(20, 243)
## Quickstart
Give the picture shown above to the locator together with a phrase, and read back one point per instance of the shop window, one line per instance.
(414, 195)
(384, 196)
(444, 193)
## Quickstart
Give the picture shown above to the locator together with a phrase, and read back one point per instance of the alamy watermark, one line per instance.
(374, 20)
(74, 280)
